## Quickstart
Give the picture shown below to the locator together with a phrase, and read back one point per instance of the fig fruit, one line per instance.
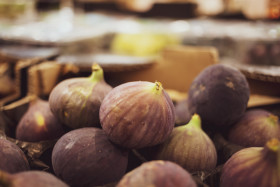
(190, 147)
(182, 113)
(86, 157)
(38, 123)
(30, 179)
(76, 101)
(157, 173)
(253, 167)
(13, 159)
(137, 114)
(255, 128)
(219, 94)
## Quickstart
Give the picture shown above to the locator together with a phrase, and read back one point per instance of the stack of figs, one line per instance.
(134, 135)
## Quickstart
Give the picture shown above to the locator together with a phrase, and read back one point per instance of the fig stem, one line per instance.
(158, 87)
(97, 73)
(273, 145)
(195, 121)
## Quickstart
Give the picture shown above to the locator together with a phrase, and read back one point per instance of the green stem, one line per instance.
(157, 89)
(195, 121)
(97, 73)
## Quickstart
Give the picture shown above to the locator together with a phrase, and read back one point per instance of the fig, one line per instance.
(38, 123)
(253, 167)
(13, 159)
(255, 128)
(219, 94)
(30, 179)
(182, 113)
(137, 114)
(76, 101)
(157, 173)
(86, 157)
(190, 147)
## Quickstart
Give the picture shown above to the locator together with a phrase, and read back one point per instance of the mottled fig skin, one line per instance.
(157, 174)
(137, 114)
(253, 167)
(190, 147)
(30, 179)
(85, 157)
(12, 157)
(39, 123)
(255, 128)
(219, 94)
(76, 101)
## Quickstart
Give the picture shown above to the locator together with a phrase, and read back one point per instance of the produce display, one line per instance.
(90, 133)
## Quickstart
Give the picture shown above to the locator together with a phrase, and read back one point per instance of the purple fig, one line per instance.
(157, 174)
(137, 114)
(76, 101)
(85, 157)
(255, 128)
(39, 123)
(13, 159)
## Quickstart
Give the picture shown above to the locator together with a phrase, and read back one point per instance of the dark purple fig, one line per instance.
(182, 113)
(255, 128)
(30, 179)
(137, 114)
(219, 94)
(39, 123)
(190, 147)
(157, 174)
(85, 157)
(253, 167)
(12, 157)
(76, 101)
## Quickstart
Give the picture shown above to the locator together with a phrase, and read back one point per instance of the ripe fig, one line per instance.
(39, 123)
(190, 147)
(76, 101)
(12, 157)
(85, 157)
(253, 167)
(182, 113)
(30, 179)
(137, 114)
(157, 173)
(255, 128)
(219, 94)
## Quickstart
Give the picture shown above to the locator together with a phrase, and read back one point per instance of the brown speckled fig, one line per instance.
(85, 157)
(255, 128)
(38, 123)
(190, 147)
(219, 94)
(76, 101)
(12, 158)
(137, 114)
(157, 174)
(30, 179)
(253, 167)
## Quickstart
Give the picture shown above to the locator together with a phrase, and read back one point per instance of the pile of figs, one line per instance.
(135, 135)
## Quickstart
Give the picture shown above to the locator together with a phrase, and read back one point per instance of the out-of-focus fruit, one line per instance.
(30, 179)
(219, 94)
(12, 158)
(255, 128)
(182, 114)
(137, 114)
(157, 174)
(76, 101)
(85, 157)
(253, 167)
(39, 123)
(190, 147)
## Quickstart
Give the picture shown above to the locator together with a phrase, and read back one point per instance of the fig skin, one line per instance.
(255, 128)
(253, 167)
(182, 113)
(13, 159)
(157, 174)
(219, 94)
(39, 123)
(190, 147)
(30, 179)
(137, 114)
(76, 101)
(85, 157)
